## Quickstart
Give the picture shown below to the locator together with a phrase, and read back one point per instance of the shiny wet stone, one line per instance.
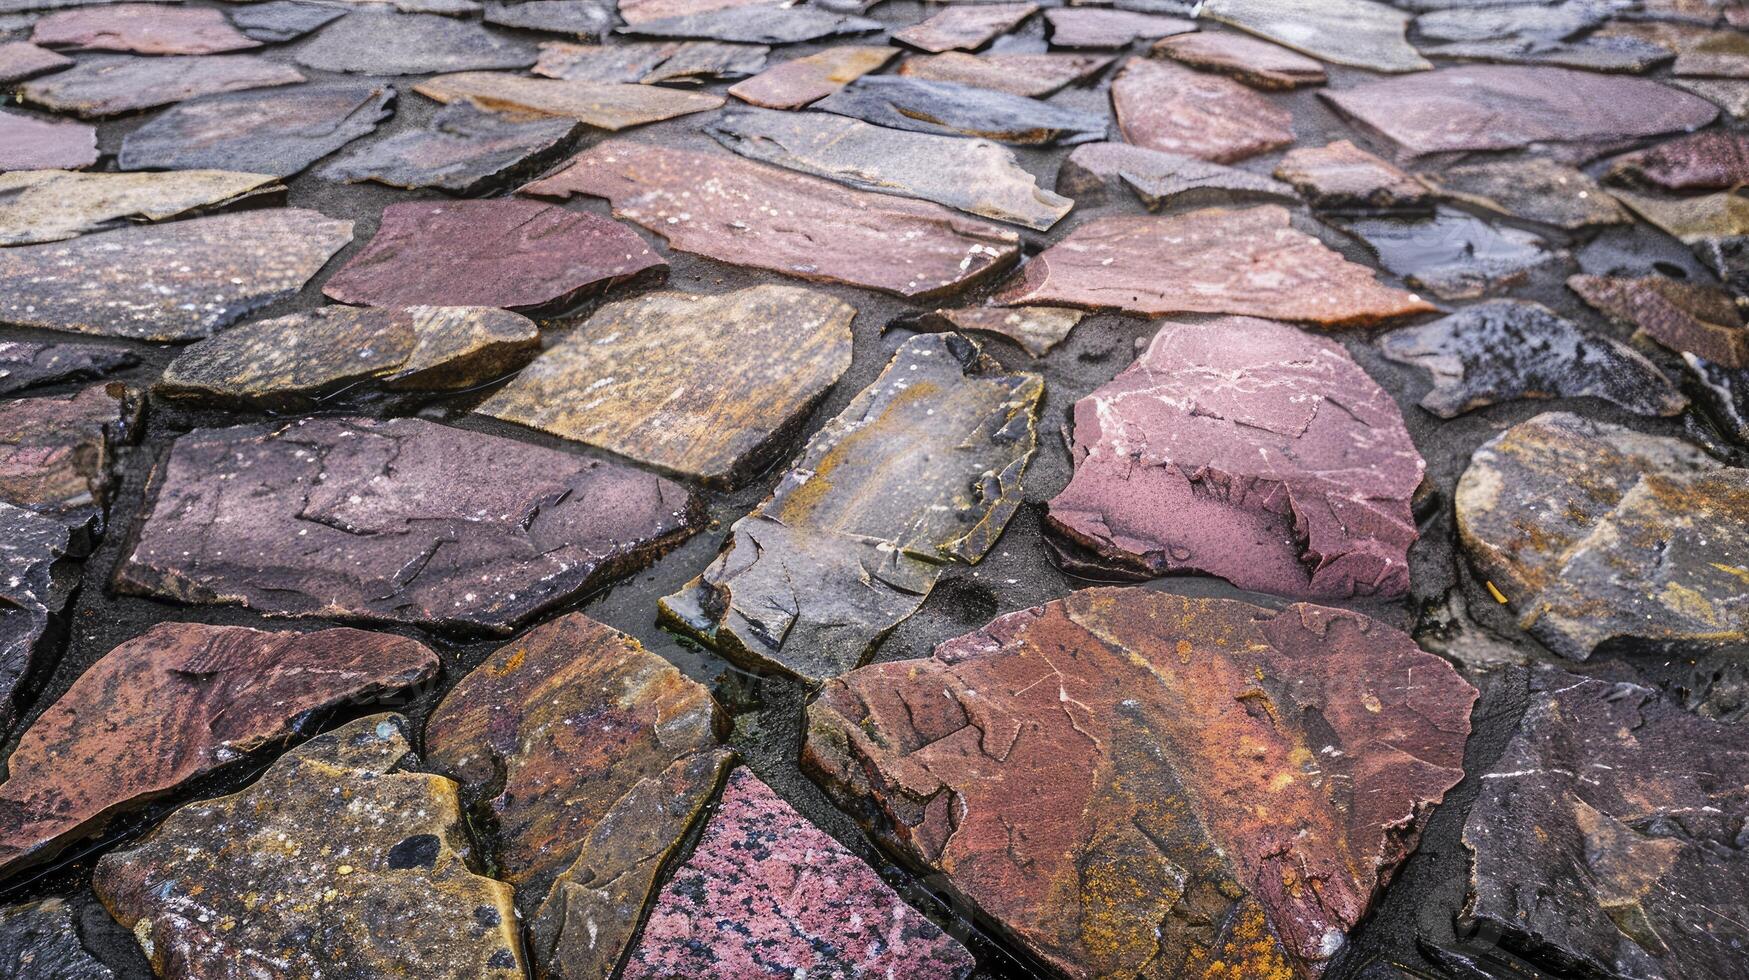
(38, 942)
(1453, 254)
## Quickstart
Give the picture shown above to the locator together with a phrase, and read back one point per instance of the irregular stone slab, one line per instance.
(1217, 457)
(1684, 317)
(1725, 393)
(1545, 23)
(601, 105)
(921, 470)
(1344, 177)
(1034, 75)
(25, 365)
(768, 894)
(1134, 783)
(1094, 27)
(950, 109)
(1720, 53)
(1249, 262)
(32, 597)
(1712, 160)
(1036, 329)
(293, 362)
(578, 18)
(1159, 179)
(57, 452)
(643, 11)
(810, 228)
(627, 62)
(52, 205)
(705, 387)
(1453, 254)
(1504, 349)
(756, 24)
(1507, 107)
(278, 21)
(1258, 64)
(1532, 189)
(333, 838)
(142, 28)
(465, 150)
(1729, 94)
(1692, 220)
(173, 704)
(567, 734)
(265, 132)
(33, 143)
(965, 28)
(20, 60)
(1596, 533)
(1167, 107)
(1595, 52)
(507, 253)
(1361, 33)
(467, 530)
(110, 85)
(178, 281)
(971, 175)
(370, 42)
(1605, 837)
(809, 79)
(38, 942)
(708, 61)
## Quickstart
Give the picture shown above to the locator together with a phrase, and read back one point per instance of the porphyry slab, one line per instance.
(1687, 317)
(1714, 160)
(1258, 64)
(757, 23)
(34, 143)
(465, 150)
(1342, 177)
(268, 132)
(111, 85)
(33, 593)
(370, 42)
(1361, 33)
(966, 27)
(1534, 189)
(58, 453)
(20, 60)
(1096, 27)
(1036, 329)
(952, 109)
(603, 105)
(1160, 179)
(1165, 106)
(25, 364)
(51, 205)
(1454, 254)
(143, 28)
(1034, 75)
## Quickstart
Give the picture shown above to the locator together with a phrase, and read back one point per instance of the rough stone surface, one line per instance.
(1165, 106)
(1713, 160)
(177, 281)
(1036, 329)
(266, 132)
(578, 18)
(1533, 189)
(1361, 33)
(951, 109)
(465, 150)
(1504, 349)
(921, 470)
(506, 253)
(809, 79)
(1598, 534)
(1692, 220)
(1344, 177)
(37, 942)
(277, 21)
(640, 11)
(1132, 783)
(1094, 27)
(705, 387)
(912, 248)
(143, 28)
(20, 60)
(571, 736)
(1607, 836)
(757, 24)
(336, 856)
(1258, 64)
(1453, 254)
(370, 42)
(965, 28)
(1249, 262)
(599, 104)
(1092, 170)
(468, 530)
(1685, 317)
(110, 85)
(768, 894)
(51, 205)
(1725, 392)
(625, 62)
(1729, 94)
(58, 452)
(705, 61)
(1246, 449)
(32, 597)
(36, 143)
(25, 364)
(1034, 75)
(173, 704)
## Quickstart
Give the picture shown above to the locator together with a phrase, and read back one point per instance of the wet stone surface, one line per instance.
(267, 132)
(37, 942)
(1164, 106)
(32, 595)
(808, 79)
(1452, 254)
(949, 108)
(58, 453)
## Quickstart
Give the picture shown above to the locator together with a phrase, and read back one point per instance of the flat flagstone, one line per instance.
(110, 85)
(707, 61)
(809, 79)
(36, 143)
(626, 62)
(603, 105)
(1258, 64)
(142, 28)
(1595, 52)
(1095, 27)
(1344, 177)
(640, 11)
(1036, 329)
(1160, 179)
(951, 109)
(370, 42)
(464, 149)
(966, 27)
(1361, 33)
(1453, 254)
(34, 590)
(1690, 318)
(1729, 94)
(1725, 393)
(26, 364)
(38, 942)
(1534, 189)
(51, 205)
(1707, 161)
(20, 60)
(577, 18)
(266, 132)
(1165, 106)
(1034, 75)
(756, 24)
(59, 453)
(278, 21)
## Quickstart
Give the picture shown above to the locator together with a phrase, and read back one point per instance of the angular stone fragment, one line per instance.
(809, 79)
(265, 132)
(768, 894)
(808, 227)
(571, 736)
(1258, 64)
(1167, 107)
(464, 530)
(1453, 254)
(708, 61)
(626, 62)
(578, 18)
(1250, 262)
(177, 281)
(1595, 52)
(757, 24)
(1684, 317)
(1344, 177)
(372, 42)
(1708, 161)
(20, 60)
(1532, 189)
(38, 942)
(1034, 75)
(1093, 27)
(971, 175)
(507, 253)
(1597, 534)
(601, 105)
(32, 597)
(142, 28)
(965, 28)
(57, 453)
(277, 21)
(951, 109)
(33, 143)
(1131, 783)
(1361, 33)
(1036, 329)
(465, 150)
(336, 855)
(25, 365)
(1729, 94)
(175, 703)
(110, 85)
(1607, 837)
(1717, 54)
(1692, 220)
(51, 205)
(1546, 22)
(921, 470)
(641, 11)
(1504, 349)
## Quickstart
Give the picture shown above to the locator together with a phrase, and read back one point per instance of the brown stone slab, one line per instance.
(35, 586)
(1036, 329)
(708, 61)
(1713, 160)
(52, 205)
(267, 132)
(1160, 179)
(464, 149)
(110, 85)
(142, 28)
(1343, 177)
(1165, 106)
(1362, 33)
(20, 60)
(1258, 64)
(1033, 75)
(601, 105)
(965, 28)
(58, 453)
(1095, 27)
(1685, 317)
(375, 42)
(797, 83)
(1453, 254)
(36, 143)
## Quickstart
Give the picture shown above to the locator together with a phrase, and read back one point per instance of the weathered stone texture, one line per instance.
(143, 28)
(25, 364)
(37, 942)
(952, 109)
(270, 132)
(466, 150)
(58, 453)
(1165, 106)
(110, 85)
(1342, 176)
(1160, 179)
(1686, 317)
(32, 596)
(51, 205)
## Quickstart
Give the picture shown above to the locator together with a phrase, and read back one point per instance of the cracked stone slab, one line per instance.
(1033, 75)
(1094, 27)
(1686, 317)
(508, 253)
(1713, 160)
(33, 594)
(34, 143)
(965, 28)
(142, 28)
(58, 453)
(373, 42)
(768, 894)
(602, 105)
(1249, 262)
(173, 704)
(1275, 463)
(464, 530)
(951, 109)
(709, 388)
(594, 758)
(1606, 838)
(1035, 329)
(26, 364)
(111, 85)
(578, 18)
(261, 132)
(809, 79)
(52, 205)
(756, 24)
(464, 149)
(278, 21)
(1259, 64)
(1165, 106)
(1359, 33)
(920, 471)
(177, 281)
(340, 853)
(298, 361)
(1344, 177)
(38, 942)
(20, 60)
(1130, 783)
(972, 175)
(1454, 254)
(1505, 349)
(1598, 534)
(913, 249)
(1534, 189)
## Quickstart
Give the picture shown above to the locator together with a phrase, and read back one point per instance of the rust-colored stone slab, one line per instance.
(142, 28)
(1034, 75)
(1092, 170)
(1709, 161)
(36, 143)
(1343, 177)
(38, 942)
(58, 452)
(177, 281)
(1165, 106)
(24, 364)
(1249, 262)
(265, 132)
(465, 150)
(951, 109)
(1685, 317)
(1532, 189)
(1250, 450)
(51, 205)
(1454, 254)
(506, 253)
(20, 60)
(601, 105)
(920, 471)
(1130, 783)
(33, 593)
(1361, 33)
(171, 705)
(1258, 64)
(809, 79)
(810, 228)
(1095, 27)
(1036, 329)
(966, 27)
(374, 42)
(705, 387)
(336, 855)
(565, 736)
(110, 85)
